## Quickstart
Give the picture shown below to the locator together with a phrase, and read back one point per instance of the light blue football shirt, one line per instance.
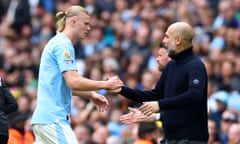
(54, 96)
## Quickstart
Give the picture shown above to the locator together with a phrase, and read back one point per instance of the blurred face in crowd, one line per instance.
(226, 121)
(227, 68)
(212, 127)
(234, 133)
(82, 133)
(236, 3)
(226, 9)
(162, 58)
(148, 80)
(212, 130)
(142, 35)
(100, 135)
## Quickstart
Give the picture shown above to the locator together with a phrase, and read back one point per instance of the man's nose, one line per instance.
(164, 40)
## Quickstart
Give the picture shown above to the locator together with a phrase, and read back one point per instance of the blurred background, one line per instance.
(124, 39)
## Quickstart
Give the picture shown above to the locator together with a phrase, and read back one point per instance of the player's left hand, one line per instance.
(100, 101)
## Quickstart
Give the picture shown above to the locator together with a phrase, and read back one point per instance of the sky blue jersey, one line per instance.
(54, 96)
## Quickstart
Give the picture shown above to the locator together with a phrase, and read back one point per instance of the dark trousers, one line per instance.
(182, 142)
(3, 139)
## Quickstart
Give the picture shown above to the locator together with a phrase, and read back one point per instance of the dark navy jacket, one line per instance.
(182, 95)
(7, 105)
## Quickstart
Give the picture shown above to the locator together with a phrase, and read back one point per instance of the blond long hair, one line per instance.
(61, 16)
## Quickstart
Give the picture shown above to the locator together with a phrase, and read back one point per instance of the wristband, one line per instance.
(157, 117)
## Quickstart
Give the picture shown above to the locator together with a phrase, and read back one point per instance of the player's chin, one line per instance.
(83, 36)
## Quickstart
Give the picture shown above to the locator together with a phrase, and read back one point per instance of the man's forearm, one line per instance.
(138, 95)
(84, 94)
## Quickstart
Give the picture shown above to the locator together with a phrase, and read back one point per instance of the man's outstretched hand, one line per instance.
(136, 116)
(148, 108)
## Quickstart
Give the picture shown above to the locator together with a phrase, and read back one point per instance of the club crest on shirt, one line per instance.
(67, 54)
(196, 81)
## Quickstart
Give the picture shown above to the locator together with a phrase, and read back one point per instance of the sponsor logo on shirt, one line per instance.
(68, 61)
(67, 54)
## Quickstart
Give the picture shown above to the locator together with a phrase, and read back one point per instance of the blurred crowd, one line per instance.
(124, 39)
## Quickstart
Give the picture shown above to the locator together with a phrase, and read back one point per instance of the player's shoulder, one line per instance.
(59, 41)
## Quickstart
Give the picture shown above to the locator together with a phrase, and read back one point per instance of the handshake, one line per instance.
(114, 91)
(116, 85)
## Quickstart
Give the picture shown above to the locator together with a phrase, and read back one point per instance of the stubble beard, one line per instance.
(171, 53)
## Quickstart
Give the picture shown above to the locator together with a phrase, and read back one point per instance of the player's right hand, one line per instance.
(114, 83)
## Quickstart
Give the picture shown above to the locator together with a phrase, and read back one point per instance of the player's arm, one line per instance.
(99, 100)
(83, 94)
(79, 83)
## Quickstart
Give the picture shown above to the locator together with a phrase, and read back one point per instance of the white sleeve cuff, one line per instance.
(158, 115)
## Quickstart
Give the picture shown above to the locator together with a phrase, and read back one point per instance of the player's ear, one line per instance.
(73, 21)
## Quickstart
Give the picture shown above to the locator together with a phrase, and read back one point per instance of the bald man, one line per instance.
(181, 92)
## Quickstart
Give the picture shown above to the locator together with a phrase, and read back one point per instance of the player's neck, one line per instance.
(69, 35)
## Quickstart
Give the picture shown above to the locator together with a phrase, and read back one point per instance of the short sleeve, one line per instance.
(65, 57)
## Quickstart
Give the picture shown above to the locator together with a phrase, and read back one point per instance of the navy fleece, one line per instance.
(182, 95)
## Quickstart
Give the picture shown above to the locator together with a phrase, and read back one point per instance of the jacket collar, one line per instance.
(183, 55)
